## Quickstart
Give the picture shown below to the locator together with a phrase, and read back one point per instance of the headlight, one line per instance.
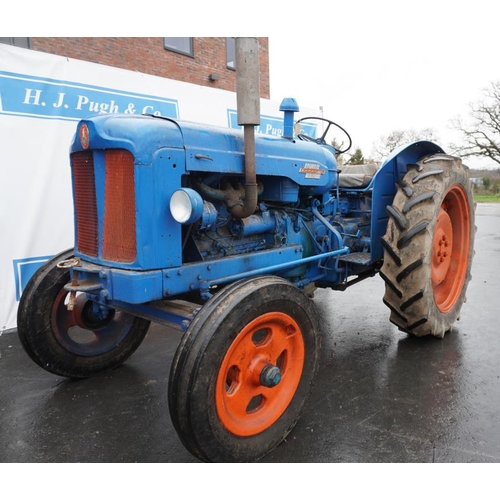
(186, 206)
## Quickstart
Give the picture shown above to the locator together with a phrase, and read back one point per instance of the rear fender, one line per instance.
(384, 186)
(409, 153)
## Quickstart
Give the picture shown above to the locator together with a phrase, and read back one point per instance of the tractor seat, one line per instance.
(356, 176)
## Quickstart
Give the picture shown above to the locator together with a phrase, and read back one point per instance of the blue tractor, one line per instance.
(224, 234)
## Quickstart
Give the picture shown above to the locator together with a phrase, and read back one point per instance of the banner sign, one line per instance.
(24, 269)
(270, 125)
(24, 95)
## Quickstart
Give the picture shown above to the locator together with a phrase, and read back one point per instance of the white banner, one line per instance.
(42, 97)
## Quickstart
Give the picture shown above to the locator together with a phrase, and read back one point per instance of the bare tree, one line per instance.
(481, 133)
(357, 158)
(397, 138)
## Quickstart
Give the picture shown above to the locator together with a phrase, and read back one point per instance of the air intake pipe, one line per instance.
(248, 108)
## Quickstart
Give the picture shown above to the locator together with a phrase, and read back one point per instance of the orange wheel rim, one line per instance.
(269, 350)
(450, 249)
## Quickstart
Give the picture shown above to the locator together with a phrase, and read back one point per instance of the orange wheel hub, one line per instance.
(260, 374)
(450, 249)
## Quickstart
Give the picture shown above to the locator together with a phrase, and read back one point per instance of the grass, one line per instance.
(487, 198)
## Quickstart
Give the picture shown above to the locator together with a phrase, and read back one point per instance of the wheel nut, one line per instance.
(270, 376)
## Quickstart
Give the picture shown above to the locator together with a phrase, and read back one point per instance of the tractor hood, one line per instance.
(209, 148)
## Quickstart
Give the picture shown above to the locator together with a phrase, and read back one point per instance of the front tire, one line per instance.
(428, 246)
(244, 370)
(72, 343)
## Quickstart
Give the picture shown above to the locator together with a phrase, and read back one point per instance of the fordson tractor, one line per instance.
(224, 234)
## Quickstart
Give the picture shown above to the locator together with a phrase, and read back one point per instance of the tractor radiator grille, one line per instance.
(118, 224)
(119, 241)
(85, 203)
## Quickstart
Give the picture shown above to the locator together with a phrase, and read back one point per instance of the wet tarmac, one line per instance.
(381, 396)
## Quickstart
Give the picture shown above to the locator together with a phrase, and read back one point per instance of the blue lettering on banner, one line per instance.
(25, 95)
(270, 125)
(24, 269)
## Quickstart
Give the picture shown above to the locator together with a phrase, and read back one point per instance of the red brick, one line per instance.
(147, 55)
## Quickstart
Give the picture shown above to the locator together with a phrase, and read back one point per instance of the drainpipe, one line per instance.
(248, 107)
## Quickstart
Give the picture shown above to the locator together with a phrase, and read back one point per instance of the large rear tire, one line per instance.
(72, 343)
(244, 369)
(428, 246)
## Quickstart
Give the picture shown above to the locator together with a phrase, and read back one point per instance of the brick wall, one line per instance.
(147, 55)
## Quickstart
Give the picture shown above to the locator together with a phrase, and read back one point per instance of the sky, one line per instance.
(374, 66)
(383, 65)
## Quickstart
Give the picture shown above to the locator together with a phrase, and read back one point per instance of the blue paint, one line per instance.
(24, 270)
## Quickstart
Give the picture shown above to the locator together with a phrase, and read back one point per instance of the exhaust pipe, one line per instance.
(248, 109)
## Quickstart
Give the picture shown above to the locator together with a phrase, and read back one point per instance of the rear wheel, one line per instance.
(74, 343)
(244, 369)
(429, 246)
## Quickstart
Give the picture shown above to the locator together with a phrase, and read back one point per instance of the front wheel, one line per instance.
(244, 369)
(73, 343)
(429, 246)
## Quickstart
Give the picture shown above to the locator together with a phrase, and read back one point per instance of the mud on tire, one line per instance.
(428, 246)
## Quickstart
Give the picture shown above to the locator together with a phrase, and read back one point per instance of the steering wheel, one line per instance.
(321, 140)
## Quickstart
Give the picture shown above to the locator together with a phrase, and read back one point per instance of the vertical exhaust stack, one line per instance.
(248, 107)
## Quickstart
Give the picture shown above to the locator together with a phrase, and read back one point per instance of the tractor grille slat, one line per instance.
(119, 218)
(119, 235)
(85, 203)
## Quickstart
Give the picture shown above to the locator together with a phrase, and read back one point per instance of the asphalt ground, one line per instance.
(381, 396)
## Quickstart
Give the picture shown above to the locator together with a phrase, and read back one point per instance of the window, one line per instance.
(183, 45)
(230, 53)
(17, 41)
